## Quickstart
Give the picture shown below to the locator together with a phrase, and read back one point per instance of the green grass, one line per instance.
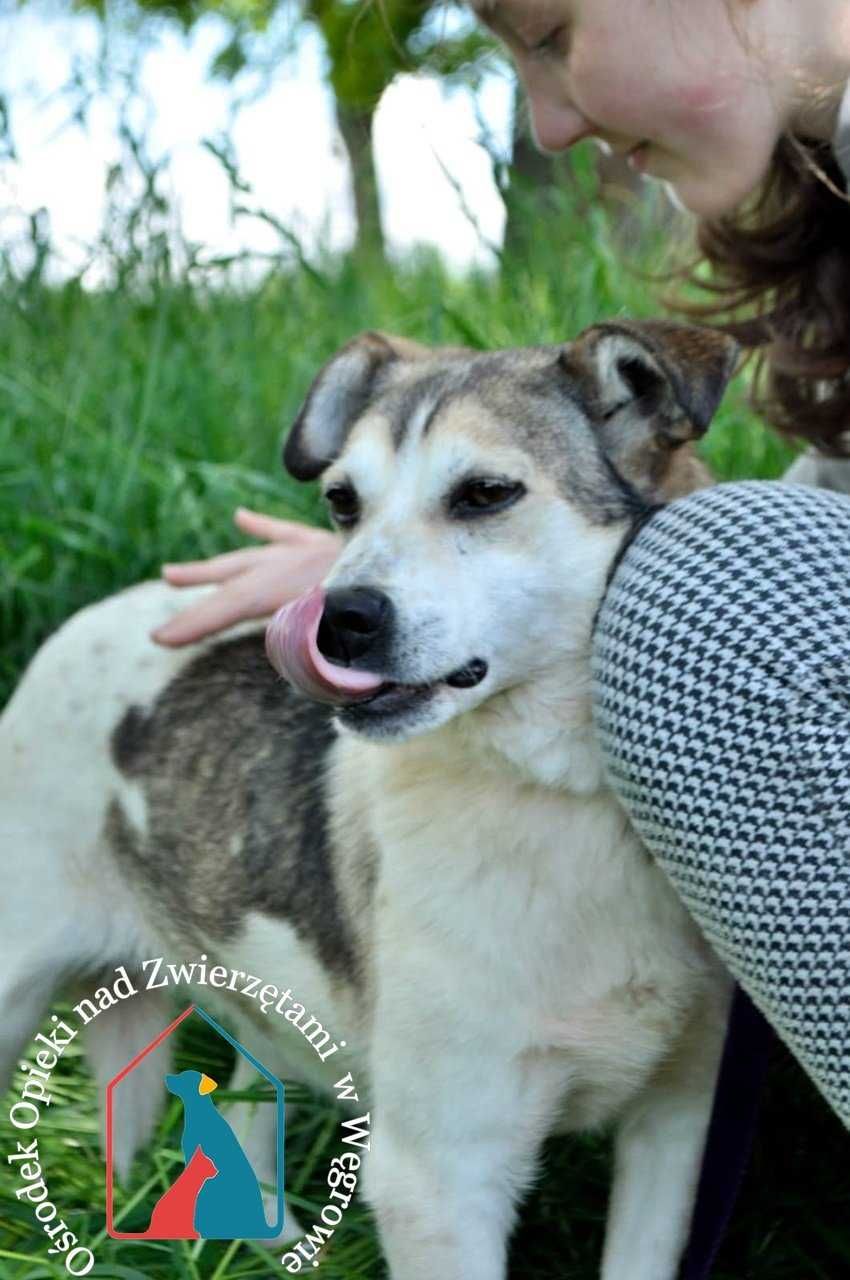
(131, 425)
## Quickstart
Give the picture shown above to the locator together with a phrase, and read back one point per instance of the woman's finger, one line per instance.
(191, 573)
(269, 527)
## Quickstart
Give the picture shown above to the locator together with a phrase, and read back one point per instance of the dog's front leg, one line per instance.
(456, 1132)
(658, 1152)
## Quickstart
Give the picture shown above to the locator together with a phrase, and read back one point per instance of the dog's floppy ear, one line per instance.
(650, 386)
(339, 394)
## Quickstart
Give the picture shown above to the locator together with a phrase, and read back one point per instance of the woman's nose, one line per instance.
(556, 125)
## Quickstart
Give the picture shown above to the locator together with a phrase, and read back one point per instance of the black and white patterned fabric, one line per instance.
(722, 699)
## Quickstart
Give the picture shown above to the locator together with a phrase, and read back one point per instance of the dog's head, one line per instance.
(482, 498)
(190, 1084)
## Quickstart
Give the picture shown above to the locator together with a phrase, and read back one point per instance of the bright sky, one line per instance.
(284, 139)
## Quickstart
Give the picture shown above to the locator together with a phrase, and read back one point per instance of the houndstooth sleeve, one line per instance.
(722, 701)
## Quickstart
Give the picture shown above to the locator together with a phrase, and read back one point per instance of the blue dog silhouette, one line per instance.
(230, 1205)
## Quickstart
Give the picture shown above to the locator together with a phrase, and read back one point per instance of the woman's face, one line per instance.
(668, 82)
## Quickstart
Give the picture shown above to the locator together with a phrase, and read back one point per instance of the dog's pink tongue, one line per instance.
(292, 650)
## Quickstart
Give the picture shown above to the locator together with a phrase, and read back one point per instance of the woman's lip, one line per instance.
(620, 151)
(636, 158)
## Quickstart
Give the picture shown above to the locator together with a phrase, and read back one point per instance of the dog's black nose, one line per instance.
(353, 620)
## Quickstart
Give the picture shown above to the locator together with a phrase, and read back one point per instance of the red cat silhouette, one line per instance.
(173, 1216)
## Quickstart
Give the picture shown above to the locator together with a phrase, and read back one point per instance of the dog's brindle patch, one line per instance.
(231, 762)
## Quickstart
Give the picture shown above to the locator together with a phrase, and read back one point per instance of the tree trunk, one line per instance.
(355, 125)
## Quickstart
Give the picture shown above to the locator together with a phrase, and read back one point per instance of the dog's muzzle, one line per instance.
(292, 648)
(314, 640)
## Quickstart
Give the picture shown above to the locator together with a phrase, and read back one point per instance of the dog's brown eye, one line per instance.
(481, 497)
(343, 504)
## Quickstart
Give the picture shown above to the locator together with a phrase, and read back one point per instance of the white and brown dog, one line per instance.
(434, 861)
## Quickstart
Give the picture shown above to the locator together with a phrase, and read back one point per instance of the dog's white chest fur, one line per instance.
(509, 914)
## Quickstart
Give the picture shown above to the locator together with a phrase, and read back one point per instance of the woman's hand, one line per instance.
(255, 581)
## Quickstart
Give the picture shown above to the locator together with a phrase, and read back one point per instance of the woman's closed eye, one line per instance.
(555, 43)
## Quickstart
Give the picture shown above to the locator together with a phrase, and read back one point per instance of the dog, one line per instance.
(426, 847)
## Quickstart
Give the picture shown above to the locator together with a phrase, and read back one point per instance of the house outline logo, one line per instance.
(216, 1196)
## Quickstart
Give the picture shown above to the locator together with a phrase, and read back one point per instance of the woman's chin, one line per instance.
(704, 196)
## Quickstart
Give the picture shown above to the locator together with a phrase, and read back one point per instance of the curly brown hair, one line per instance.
(780, 282)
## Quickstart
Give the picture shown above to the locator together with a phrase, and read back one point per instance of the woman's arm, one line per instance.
(722, 670)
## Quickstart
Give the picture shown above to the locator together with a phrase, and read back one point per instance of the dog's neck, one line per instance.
(539, 730)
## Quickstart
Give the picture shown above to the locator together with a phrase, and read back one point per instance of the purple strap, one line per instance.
(730, 1133)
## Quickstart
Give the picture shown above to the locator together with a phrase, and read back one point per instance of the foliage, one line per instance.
(368, 41)
(242, 13)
